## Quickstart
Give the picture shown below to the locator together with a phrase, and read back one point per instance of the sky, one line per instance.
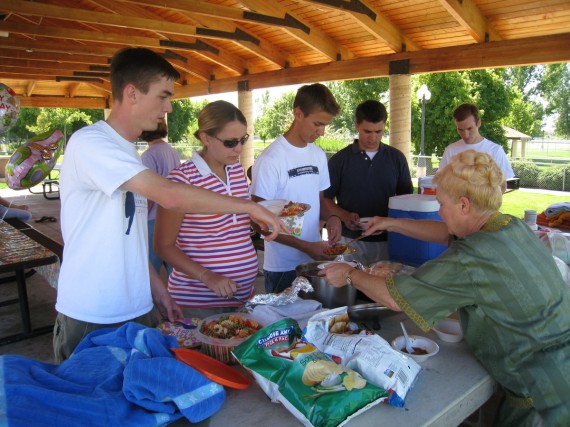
(274, 93)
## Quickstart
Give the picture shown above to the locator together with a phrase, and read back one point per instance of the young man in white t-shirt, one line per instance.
(106, 279)
(468, 121)
(294, 168)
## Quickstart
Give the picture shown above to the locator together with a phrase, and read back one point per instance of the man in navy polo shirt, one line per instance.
(364, 175)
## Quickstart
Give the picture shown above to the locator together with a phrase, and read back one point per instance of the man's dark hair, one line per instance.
(465, 110)
(140, 67)
(371, 111)
(160, 132)
(316, 97)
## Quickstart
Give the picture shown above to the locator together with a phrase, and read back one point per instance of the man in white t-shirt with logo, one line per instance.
(468, 121)
(294, 168)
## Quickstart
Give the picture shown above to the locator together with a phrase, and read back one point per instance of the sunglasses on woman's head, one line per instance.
(231, 143)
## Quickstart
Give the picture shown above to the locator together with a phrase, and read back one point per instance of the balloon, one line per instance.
(9, 108)
(34, 160)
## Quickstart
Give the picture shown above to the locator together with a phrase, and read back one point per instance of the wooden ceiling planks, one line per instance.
(217, 43)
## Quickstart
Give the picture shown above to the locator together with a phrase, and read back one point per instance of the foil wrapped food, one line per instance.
(288, 296)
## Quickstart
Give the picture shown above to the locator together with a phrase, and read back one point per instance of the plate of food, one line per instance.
(294, 209)
(339, 249)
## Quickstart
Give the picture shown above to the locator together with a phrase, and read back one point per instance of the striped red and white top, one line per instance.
(222, 243)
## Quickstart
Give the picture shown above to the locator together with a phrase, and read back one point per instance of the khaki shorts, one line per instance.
(68, 332)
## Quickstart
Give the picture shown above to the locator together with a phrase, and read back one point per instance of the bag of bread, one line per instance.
(369, 355)
(315, 389)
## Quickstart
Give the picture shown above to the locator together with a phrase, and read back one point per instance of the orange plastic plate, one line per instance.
(211, 368)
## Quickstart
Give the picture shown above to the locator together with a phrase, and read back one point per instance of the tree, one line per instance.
(20, 131)
(183, 119)
(350, 93)
(67, 120)
(525, 79)
(448, 91)
(525, 116)
(555, 86)
(276, 117)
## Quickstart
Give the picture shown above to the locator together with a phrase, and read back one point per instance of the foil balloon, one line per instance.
(9, 108)
(34, 160)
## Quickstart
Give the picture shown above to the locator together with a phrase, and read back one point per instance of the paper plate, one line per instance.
(184, 330)
(211, 368)
(337, 250)
(326, 264)
(305, 208)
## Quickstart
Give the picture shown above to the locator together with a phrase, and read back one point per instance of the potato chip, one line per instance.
(353, 380)
(317, 371)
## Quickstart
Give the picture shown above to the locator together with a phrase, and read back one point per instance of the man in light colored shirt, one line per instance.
(468, 121)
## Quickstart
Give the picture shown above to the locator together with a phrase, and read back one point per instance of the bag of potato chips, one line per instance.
(315, 389)
(369, 355)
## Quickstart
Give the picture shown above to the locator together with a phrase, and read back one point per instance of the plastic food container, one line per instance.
(219, 348)
(387, 268)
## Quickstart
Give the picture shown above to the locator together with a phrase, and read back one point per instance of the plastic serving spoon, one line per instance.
(409, 347)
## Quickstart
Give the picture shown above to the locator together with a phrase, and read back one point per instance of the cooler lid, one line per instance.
(414, 203)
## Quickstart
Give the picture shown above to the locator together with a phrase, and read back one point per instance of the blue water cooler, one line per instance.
(405, 249)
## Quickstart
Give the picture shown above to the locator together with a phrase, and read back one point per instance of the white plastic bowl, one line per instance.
(448, 330)
(418, 342)
(275, 206)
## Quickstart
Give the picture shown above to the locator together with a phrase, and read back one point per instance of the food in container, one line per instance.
(387, 268)
(339, 249)
(423, 347)
(291, 213)
(294, 209)
(327, 295)
(221, 333)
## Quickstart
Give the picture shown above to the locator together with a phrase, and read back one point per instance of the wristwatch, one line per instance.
(349, 276)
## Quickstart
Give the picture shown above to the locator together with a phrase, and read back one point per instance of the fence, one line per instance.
(552, 174)
(540, 172)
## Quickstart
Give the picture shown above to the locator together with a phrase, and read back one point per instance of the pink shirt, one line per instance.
(222, 243)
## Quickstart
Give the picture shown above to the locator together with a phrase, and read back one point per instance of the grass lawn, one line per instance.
(517, 201)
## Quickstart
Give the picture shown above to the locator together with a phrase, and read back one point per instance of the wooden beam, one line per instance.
(30, 88)
(373, 22)
(505, 53)
(470, 17)
(61, 102)
(93, 17)
(315, 39)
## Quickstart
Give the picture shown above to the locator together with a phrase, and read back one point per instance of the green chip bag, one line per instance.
(315, 389)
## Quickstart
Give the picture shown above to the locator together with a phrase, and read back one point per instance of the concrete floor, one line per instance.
(40, 294)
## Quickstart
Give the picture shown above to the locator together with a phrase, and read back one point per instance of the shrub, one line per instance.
(528, 173)
(552, 178)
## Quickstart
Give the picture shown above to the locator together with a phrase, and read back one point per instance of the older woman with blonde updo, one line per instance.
(512, 301)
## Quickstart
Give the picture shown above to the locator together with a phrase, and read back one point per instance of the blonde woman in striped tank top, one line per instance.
(212, 255)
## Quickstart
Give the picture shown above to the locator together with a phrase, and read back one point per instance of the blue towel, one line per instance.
(555, 208)
(124, 376)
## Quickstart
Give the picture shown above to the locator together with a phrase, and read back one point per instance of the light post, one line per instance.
(423, 95)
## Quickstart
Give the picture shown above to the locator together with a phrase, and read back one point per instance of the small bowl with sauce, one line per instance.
(423, 347)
